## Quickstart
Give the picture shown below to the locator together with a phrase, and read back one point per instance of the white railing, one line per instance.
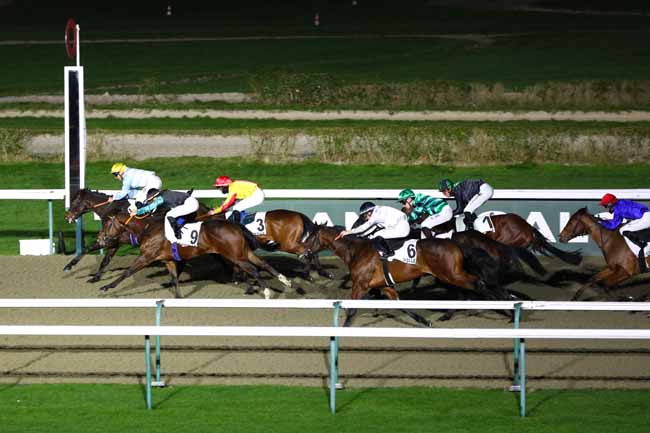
(334, 332)
(499, 194)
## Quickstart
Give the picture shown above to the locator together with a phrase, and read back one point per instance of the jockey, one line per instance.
(637, 214)
(437, 210)
(179, 204)
(393, 225)
(135, 183)
(241, 195)
(469, 194)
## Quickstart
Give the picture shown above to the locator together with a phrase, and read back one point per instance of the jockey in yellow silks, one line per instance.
(240, 195)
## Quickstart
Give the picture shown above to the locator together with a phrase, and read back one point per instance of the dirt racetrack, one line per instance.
(363, 362)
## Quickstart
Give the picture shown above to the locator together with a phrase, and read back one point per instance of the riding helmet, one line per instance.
(366, 207)
(118, 168)
(405, 194)
(445, 184)
(222, 181)
(608, 199)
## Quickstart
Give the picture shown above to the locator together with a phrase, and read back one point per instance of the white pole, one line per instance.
(78, 45)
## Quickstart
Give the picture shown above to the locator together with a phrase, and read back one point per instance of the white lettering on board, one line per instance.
(350, 219)
(536, 219)
(322, 218)
(564, 219)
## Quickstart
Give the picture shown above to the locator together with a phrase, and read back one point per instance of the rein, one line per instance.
(101, 204)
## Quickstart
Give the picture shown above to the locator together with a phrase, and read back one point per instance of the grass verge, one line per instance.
(120, 408)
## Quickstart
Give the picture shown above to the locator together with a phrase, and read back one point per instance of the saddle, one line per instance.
(241, 217)
(387, 247)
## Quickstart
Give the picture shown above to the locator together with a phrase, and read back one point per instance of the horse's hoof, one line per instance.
(104, 289)
(67, 268)
(429, 324)
(267, 293)
(249, 291)
(93, 279)
(328, 275)
(307, 277)
(444, 318)
(300, 291)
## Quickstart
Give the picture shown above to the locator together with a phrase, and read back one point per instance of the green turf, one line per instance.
(120, 408)
(213, 66)
(28, 219)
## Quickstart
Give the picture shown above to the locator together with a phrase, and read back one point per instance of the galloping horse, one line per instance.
(87, 200)
(512, 230)
(441, 258)
(508, 257)
(290, 231)
(621, 262)
(230, 240)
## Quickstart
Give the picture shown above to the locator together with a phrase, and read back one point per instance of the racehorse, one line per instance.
(441, 258)
(290, 231)
(230, 240)
(87, 200)
(621, 262)
(508, 257)
(512, 230)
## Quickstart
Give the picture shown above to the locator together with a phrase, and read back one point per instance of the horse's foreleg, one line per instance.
(600, 276)
(315, 260)
(173, 272)
(262, 264)
(137, 265)
(392, 294)
(251, 270)
(77, 259)
(102, 266)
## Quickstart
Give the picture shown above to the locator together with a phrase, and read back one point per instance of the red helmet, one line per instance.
(222, 181)
(608, 199)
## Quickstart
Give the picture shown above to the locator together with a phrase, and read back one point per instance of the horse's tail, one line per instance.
(251, 240)
(530, 259)
(542, 245)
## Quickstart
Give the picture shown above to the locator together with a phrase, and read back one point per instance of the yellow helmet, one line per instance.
(118, 168)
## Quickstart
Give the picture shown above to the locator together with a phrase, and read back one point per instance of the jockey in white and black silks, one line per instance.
(180, 204)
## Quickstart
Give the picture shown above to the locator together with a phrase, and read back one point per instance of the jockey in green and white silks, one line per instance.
(436, 209)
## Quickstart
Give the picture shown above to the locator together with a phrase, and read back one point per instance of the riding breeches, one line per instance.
(190, 205)
(255, 199)
(636, 225)
(152, 182)
(399, 230)
(485, 193)
(442, 217)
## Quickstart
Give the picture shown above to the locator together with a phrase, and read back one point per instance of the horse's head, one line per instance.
(577, 226)
(83, 201)
(111, 230)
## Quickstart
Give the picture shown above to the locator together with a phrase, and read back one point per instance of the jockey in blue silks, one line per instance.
(637, 214)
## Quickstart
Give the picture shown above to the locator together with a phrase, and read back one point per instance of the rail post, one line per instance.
(159, 306)
(516, 360)
(522, 378)
(50, 224)
(334, 360)
(147, 357)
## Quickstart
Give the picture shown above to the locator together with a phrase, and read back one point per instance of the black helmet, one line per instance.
(366, 207)
(152, 193)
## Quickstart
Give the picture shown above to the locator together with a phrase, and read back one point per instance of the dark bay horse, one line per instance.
(441, 258)
(230, 240)
(508, 257)
(512, 230)
(621, 263)
(87, 200)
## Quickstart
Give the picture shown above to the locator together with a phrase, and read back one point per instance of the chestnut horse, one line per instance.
(290, 231)
(441, 258)
(621, 263)
(234, 242)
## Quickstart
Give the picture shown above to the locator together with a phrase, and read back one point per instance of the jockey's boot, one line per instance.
(427, 233)
(383, 248)
(469, 220)
(235, 217)
(643, 268)
(175, 227)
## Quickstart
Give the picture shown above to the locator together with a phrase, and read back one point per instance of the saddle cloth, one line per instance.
(407, 253)
(190, 234)
(257, 224)
(482, 224)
